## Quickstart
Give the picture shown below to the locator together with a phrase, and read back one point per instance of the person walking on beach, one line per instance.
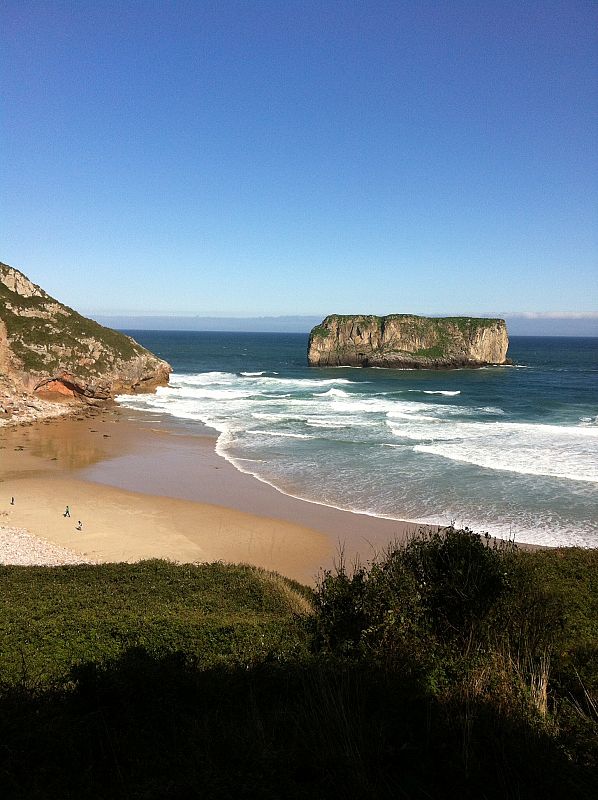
(12, 501)
(79, 525)
(67, 512)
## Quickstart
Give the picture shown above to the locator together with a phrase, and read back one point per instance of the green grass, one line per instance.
(53, 618)
(416, 676)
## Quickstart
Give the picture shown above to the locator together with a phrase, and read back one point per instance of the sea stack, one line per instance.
(406, 341)
(47, 348)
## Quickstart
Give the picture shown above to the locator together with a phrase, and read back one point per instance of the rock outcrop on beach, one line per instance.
(408, 341)
(49, 350)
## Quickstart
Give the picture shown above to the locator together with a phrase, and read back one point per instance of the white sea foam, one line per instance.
(409, 417)
(283, 434)
(400, 409)
(220, 394)
(332, 393)
(327, 423)
(361, 404)
(548, 450)
(419, 431)
(445, 393)
(528, 532)
(304, 383)
(201, 379)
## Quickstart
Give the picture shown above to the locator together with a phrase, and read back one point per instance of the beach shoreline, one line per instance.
(144, 487)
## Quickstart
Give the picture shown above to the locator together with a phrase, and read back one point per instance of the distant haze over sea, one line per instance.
(523, 324)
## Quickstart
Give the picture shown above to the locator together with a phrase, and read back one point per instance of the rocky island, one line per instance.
(405, 341)
(47, 350)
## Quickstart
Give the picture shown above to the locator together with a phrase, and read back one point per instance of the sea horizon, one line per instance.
(570, 324)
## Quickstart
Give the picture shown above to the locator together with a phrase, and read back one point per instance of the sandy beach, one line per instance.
(145, 488)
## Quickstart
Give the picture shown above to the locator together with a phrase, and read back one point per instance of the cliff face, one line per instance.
(47, 348)
(405, 340)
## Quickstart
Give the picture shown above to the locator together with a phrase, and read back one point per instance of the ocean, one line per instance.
(508, 450)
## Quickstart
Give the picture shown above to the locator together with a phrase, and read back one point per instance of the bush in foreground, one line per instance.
(503, 643)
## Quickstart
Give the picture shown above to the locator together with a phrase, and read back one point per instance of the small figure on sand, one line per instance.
(79, 525)
(67, 512)
(12, 501)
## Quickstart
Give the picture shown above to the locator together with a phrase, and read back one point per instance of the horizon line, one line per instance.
(541, 315)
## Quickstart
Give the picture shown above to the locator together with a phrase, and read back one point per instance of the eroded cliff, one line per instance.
(47, 348)
(408, 341)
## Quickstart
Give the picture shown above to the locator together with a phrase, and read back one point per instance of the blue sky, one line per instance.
(283, 158)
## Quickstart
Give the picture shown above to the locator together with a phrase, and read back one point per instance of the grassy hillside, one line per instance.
(54, 618)
(448, 668)
(46, 335)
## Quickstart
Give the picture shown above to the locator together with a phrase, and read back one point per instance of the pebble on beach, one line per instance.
(21, 548)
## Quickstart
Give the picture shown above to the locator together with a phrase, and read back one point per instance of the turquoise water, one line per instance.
(508, 450)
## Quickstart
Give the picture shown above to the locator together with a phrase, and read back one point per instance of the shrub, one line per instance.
(438, 590)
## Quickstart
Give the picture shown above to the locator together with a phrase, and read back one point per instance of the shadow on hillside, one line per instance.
(159, 727)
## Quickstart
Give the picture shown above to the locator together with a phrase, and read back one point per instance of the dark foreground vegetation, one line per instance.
(447, 668)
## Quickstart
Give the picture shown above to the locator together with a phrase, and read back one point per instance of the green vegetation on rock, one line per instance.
(463, 323)
(320, 331)
(33, 338)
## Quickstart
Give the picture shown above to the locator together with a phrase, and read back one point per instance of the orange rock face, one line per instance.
(58, 387)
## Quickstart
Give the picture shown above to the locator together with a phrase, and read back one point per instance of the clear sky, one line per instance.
(284, 157)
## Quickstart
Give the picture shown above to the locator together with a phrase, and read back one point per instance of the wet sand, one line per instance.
(144, 487)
